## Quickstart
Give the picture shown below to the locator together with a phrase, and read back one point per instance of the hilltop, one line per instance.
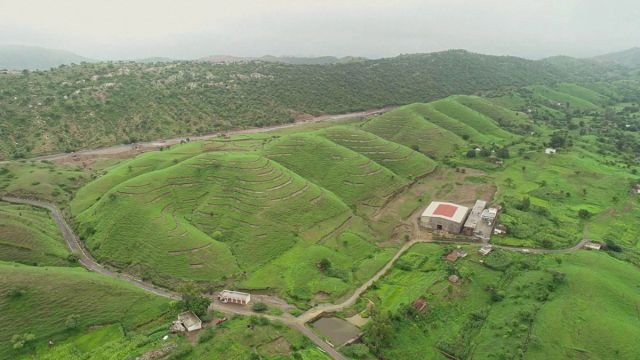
(629, 58)
(99, 104)
(17, 57)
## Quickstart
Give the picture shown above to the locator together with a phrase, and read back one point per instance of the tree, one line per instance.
(584, 213)
(380, 331)
(324, 265)
(193, 300)
(471, 153)
(558, 140)
(19, 341)
(503, 153)
(259, 307)
(72, 321)
(509, 182)
(525, 204)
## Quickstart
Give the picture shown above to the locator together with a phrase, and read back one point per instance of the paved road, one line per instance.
(151, 145)
(297, 323)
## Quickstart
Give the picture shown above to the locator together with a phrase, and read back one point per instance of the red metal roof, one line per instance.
(445, 210)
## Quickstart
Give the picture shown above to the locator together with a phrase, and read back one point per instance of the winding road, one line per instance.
(297, 323)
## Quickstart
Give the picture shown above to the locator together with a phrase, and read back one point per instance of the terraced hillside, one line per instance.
(42, 299)
(209, 217)
(398, 158)
(355, 178)
(440, 127)
(29, 235)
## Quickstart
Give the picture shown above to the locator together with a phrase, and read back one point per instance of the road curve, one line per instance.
(84, 258)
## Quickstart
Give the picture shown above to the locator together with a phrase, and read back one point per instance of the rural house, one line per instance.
(444, 216)
(420, 305)
(474, 217)
(455, 254)
(485, 250)
(549, 151)
(234, 297)
(187, 321)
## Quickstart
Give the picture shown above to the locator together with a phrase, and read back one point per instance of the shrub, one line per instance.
(259, 307)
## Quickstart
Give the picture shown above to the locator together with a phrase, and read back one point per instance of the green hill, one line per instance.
(29, 235)
(407, 126)
(398, 158)
(98, 104)
(629, 57)
(355, 178)
(41, 300)
(16, 57)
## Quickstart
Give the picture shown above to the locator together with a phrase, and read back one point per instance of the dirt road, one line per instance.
(152, 145)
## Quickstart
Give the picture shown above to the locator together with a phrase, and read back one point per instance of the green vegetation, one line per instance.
(506, 307)
(98, 104)
(42, 299)
(29, 235)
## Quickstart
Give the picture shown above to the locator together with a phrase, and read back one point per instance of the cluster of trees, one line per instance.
(106, 103)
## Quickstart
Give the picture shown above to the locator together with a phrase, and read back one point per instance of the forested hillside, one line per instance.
(93, 105)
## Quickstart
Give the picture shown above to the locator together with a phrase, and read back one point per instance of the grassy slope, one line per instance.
(406, 126)
(29, 235)
(453, 108)
(353, 177)
(600, 297)
(598, 293)
(53, 294)
(546, 180)
(558, 96)
(396, 157)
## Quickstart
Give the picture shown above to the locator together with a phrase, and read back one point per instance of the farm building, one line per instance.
(187, 321)
(455, 254)
(420, 305)
(489, 215)
(485, 250)
(636, 188)
(234, 297)
(444, 216)
(549, 151)
(500, 229)
(592, 246)
(474, 217)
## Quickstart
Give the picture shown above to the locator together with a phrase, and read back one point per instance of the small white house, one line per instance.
(234, 297)
(549, 151)
(187, 321)
(593, 246)
(485, 250)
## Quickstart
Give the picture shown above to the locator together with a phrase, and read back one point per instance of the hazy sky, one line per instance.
(112, 29)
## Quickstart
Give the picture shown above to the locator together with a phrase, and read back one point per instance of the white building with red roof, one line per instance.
(444, 216)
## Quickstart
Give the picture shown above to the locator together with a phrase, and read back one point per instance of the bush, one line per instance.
(584, 214)
(259, 307)
(356, 351)
(72, 322)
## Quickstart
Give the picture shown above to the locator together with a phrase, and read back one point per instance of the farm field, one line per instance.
(43, 299)
(29, 235)
(507, 306)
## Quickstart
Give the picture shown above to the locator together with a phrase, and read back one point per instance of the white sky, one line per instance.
(112, 29)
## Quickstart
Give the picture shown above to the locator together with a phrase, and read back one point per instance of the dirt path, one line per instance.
(152, 145)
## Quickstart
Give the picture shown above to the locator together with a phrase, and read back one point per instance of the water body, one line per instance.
(336, 330)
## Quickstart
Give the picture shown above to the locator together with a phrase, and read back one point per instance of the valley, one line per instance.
(321, 218)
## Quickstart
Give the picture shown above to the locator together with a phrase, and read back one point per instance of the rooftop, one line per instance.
(230, 294)
(446, 210)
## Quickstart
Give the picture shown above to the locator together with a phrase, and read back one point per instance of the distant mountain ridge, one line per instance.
(18, 57)
(293, 60)
(628, 58)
